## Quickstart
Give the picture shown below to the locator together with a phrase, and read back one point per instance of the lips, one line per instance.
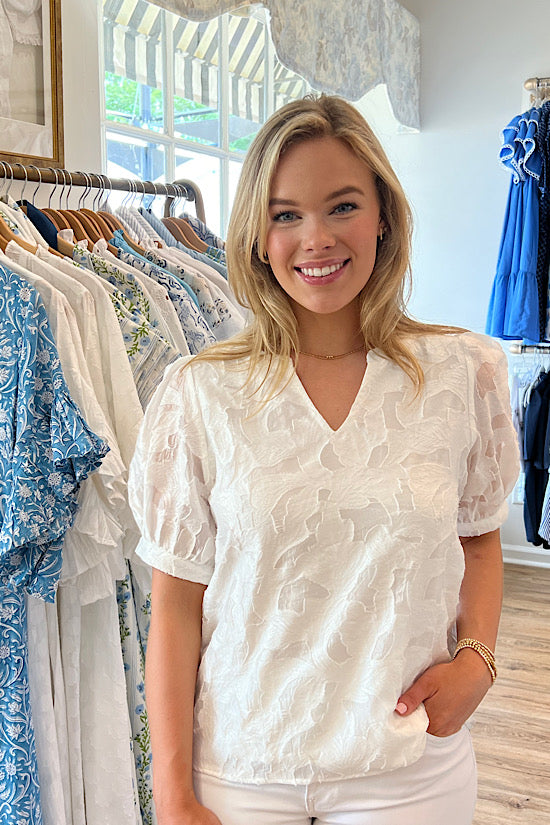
(322, 274)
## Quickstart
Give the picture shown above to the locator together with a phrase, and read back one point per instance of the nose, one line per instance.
(317, 235)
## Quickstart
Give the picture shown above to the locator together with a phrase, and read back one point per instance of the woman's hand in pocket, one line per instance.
(450, 692)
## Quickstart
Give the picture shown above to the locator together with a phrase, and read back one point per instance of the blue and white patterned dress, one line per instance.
(46, 451)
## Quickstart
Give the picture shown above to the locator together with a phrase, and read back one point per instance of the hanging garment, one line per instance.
(46, 452)
(543, 258)
(92, 561)
(217, 311)
(536, 456)
(195, 327)
(171, 326)
(141, 229)
(147, 350)
(124, 411)
(42, 223)
(24, 227)
(514, 303)
(203, 231)
(171, 242)
(218, 283)
(207, 306)
(93, 545)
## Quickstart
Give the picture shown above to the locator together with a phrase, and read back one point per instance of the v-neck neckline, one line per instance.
(371, 354)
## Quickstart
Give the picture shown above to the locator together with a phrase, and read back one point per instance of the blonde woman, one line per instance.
(320, 499)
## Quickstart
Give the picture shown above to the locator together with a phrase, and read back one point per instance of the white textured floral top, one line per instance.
(332, 558)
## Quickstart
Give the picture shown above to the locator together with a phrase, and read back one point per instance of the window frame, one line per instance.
(167, 137)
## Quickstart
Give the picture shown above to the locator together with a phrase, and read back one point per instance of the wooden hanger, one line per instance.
(64, 248)
(182, 232)
(107, 224)
(115, 224)
(199, 244)
(99, 229)
(75, 224)
(6, 235)
(179, 227)
(59, 221)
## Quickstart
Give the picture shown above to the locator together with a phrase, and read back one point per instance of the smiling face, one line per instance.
(324, 220)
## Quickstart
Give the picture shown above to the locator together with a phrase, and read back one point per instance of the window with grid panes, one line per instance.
(184, 99)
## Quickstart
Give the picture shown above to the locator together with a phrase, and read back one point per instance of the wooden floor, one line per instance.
(512, 726)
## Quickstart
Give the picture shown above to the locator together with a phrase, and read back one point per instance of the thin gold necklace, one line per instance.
(332, 357)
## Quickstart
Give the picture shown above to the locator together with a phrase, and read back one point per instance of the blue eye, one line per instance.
(284, 217)
(344, 208)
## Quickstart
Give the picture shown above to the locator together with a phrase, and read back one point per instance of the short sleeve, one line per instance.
(170, 480)
(46, 447)
(493, 460)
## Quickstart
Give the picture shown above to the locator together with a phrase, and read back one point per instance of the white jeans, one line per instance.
(439, 789)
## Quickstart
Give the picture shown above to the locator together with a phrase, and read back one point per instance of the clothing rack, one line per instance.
(519, 349)
(539, 87)
(181, 188)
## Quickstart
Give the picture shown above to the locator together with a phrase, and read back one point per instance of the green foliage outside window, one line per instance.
(123, 101)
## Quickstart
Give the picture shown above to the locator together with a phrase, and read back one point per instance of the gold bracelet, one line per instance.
(485, 652)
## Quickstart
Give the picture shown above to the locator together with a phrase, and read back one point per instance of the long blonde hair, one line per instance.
(273, 331)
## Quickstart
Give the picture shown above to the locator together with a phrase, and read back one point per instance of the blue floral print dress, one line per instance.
(46, 451)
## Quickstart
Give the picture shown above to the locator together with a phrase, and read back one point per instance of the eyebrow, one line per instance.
(347, 190)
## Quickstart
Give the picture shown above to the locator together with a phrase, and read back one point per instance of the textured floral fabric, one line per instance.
(345, 46)
(134, 610)
(209, 310)
(171, 242)
(123, 406)
(148, 352)
(46, 448)
(216, 254)
(217, 281)
(131, 292)
(46, 451)
(203, 231)
(195, 328)
(92, 549)
(332, 558)
(215, 310)
(172, 331)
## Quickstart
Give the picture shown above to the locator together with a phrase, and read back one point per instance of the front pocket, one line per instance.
(441, 741)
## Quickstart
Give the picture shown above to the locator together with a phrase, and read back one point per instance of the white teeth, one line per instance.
(320, 272)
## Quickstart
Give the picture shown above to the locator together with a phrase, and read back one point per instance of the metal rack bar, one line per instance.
(519, 349)
(539, 88)
(534, 84)
(180, 188)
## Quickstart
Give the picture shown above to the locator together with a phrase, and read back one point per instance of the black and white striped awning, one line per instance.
(133, 30)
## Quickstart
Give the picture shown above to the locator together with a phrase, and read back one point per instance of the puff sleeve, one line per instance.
(170, 479)
(492, 464)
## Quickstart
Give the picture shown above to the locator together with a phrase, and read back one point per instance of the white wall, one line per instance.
(475, 58)
(81, 85)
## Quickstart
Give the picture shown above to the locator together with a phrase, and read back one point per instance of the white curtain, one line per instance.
(342, 46)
